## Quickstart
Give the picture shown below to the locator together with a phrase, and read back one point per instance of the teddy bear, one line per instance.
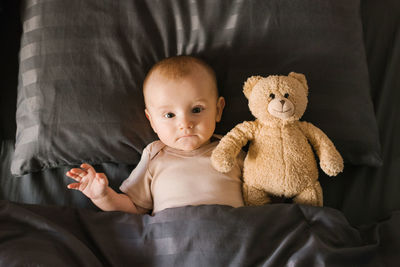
(280, 160)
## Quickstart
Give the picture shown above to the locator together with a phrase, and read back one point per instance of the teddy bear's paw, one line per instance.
(332, 168)
(253, 196)
(221, 162)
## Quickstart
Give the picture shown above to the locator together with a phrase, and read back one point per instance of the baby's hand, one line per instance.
(93, 185)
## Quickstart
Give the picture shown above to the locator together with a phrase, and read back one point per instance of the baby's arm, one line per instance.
(95, 186)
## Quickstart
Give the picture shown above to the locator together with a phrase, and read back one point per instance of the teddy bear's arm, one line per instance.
(224, 155)
(331, 161)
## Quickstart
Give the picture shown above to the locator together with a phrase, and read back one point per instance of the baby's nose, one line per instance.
(185, 124)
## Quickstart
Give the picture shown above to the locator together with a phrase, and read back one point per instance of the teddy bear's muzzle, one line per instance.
(281, 109)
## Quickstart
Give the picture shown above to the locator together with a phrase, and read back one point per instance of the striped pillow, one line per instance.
(82, 63)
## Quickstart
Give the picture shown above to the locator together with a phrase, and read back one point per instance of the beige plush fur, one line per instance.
(280, 160)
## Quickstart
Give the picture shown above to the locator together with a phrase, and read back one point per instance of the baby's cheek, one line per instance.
(208, 127)
(162, 132)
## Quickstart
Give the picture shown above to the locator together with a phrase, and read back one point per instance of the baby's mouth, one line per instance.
(187, 136)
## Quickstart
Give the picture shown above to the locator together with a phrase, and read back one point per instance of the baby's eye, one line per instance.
(286, 95)
(197, 110)
(169, 115)
(272, 96)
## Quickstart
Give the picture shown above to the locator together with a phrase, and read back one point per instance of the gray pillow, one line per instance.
(82, 64)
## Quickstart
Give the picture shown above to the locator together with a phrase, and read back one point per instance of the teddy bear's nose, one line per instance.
(282, 102)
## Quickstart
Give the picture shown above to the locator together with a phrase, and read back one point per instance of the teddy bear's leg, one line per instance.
(310, 196)
(253, 196)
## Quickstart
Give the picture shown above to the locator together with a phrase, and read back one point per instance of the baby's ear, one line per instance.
(148, 116)
(249, 84)
(301, 78)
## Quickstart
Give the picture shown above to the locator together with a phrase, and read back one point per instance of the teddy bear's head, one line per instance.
(276, 99)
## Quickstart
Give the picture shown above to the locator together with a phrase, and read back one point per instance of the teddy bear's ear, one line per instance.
(249, 84)
(301, 78)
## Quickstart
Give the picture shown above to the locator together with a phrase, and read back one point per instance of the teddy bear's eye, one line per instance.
(286, 95)
(272, 96)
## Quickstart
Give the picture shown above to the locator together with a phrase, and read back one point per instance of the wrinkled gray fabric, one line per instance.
(273, 235)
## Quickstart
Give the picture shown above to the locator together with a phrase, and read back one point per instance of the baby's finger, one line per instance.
(78, 171)
(73, 176)
(74, 186)
(88, 168)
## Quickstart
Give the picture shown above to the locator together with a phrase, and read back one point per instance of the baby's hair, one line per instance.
(177, 67)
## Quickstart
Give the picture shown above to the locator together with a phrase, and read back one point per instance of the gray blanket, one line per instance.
(272, 235)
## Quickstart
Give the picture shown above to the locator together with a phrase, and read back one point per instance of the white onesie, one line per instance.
(167, 178)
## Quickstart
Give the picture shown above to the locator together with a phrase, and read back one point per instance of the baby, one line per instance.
(183, 106)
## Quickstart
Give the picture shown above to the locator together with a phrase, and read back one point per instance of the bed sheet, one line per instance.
(212, 235)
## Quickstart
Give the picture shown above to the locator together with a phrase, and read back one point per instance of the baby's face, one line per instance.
(183, 112)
